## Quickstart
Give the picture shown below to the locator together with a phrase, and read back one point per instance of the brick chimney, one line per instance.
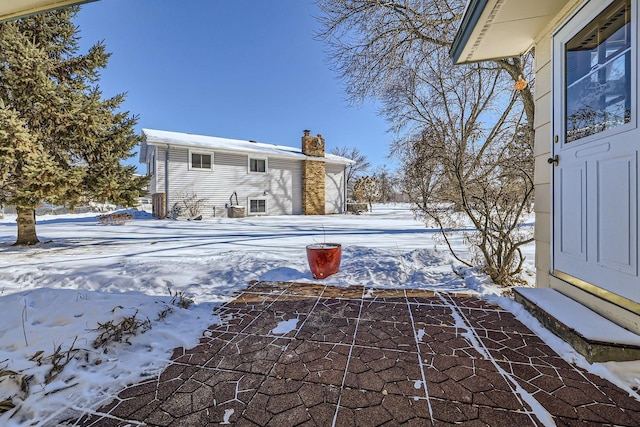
(313, 175)
(312, 145)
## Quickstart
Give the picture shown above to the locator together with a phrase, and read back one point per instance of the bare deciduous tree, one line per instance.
(355, 170)
(472, 161)
(367, 189)
(467, 153)
(371, 42)
(387, 183)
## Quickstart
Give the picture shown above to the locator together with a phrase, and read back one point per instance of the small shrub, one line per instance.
(6, 405)
(188, 204)
(357, 207)
(115, 218)
(180, 299)
(119, 331)
(163, 314)
(18, 382)
(37, 357)
(59, 360)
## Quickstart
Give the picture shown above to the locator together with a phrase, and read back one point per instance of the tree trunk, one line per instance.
(26, 227)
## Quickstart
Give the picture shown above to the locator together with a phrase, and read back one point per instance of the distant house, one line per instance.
(587, 141)
(236, 177)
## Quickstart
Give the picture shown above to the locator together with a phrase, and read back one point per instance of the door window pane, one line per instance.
(598, 74)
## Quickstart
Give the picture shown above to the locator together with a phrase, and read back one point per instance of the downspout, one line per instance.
(344, 189)
(166, 181)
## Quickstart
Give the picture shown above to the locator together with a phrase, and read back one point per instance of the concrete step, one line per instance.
(595, 337)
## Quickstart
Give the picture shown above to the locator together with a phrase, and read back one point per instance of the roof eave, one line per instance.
(470, 19)
(495, 29)
(19, 8)
(165, 143)
(278, 155)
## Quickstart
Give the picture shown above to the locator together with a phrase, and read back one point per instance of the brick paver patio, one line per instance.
(288, 354)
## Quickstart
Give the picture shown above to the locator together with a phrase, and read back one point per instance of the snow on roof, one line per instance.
(163, 137)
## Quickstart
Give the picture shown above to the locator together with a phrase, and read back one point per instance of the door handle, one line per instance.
(553, 160)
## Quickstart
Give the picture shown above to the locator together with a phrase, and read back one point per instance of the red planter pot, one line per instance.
(324, 259)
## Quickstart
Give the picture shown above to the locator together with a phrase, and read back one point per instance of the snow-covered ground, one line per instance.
(55, 296)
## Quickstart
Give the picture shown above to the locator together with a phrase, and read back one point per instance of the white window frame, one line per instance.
(266, 164)
(202, 153)
(266, 205)
(560, 37)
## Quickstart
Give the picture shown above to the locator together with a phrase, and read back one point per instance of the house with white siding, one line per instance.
(237, 177)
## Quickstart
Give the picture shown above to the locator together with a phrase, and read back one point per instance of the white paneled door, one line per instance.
(596, 145)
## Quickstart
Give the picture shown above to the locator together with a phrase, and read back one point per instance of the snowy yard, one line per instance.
(55, 296)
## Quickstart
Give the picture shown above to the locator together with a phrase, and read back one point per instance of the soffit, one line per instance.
(493, 29)
(12, 9)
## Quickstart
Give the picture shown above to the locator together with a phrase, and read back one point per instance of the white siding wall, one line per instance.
(285, 187)
(543, 144)
(334, 189)
(152, 169)
(180, 180)
(542, 151)
(281, 186)
(158, 178)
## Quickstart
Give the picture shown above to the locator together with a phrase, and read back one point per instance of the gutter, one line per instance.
(274, 155)
(166, 181)
(470, 19)
(344, 190)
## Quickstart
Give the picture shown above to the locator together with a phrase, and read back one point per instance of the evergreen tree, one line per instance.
(59, 140)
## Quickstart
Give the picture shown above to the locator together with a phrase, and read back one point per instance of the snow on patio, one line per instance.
(55, 295)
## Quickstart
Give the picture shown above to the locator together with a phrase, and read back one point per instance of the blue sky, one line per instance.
(245, 69)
